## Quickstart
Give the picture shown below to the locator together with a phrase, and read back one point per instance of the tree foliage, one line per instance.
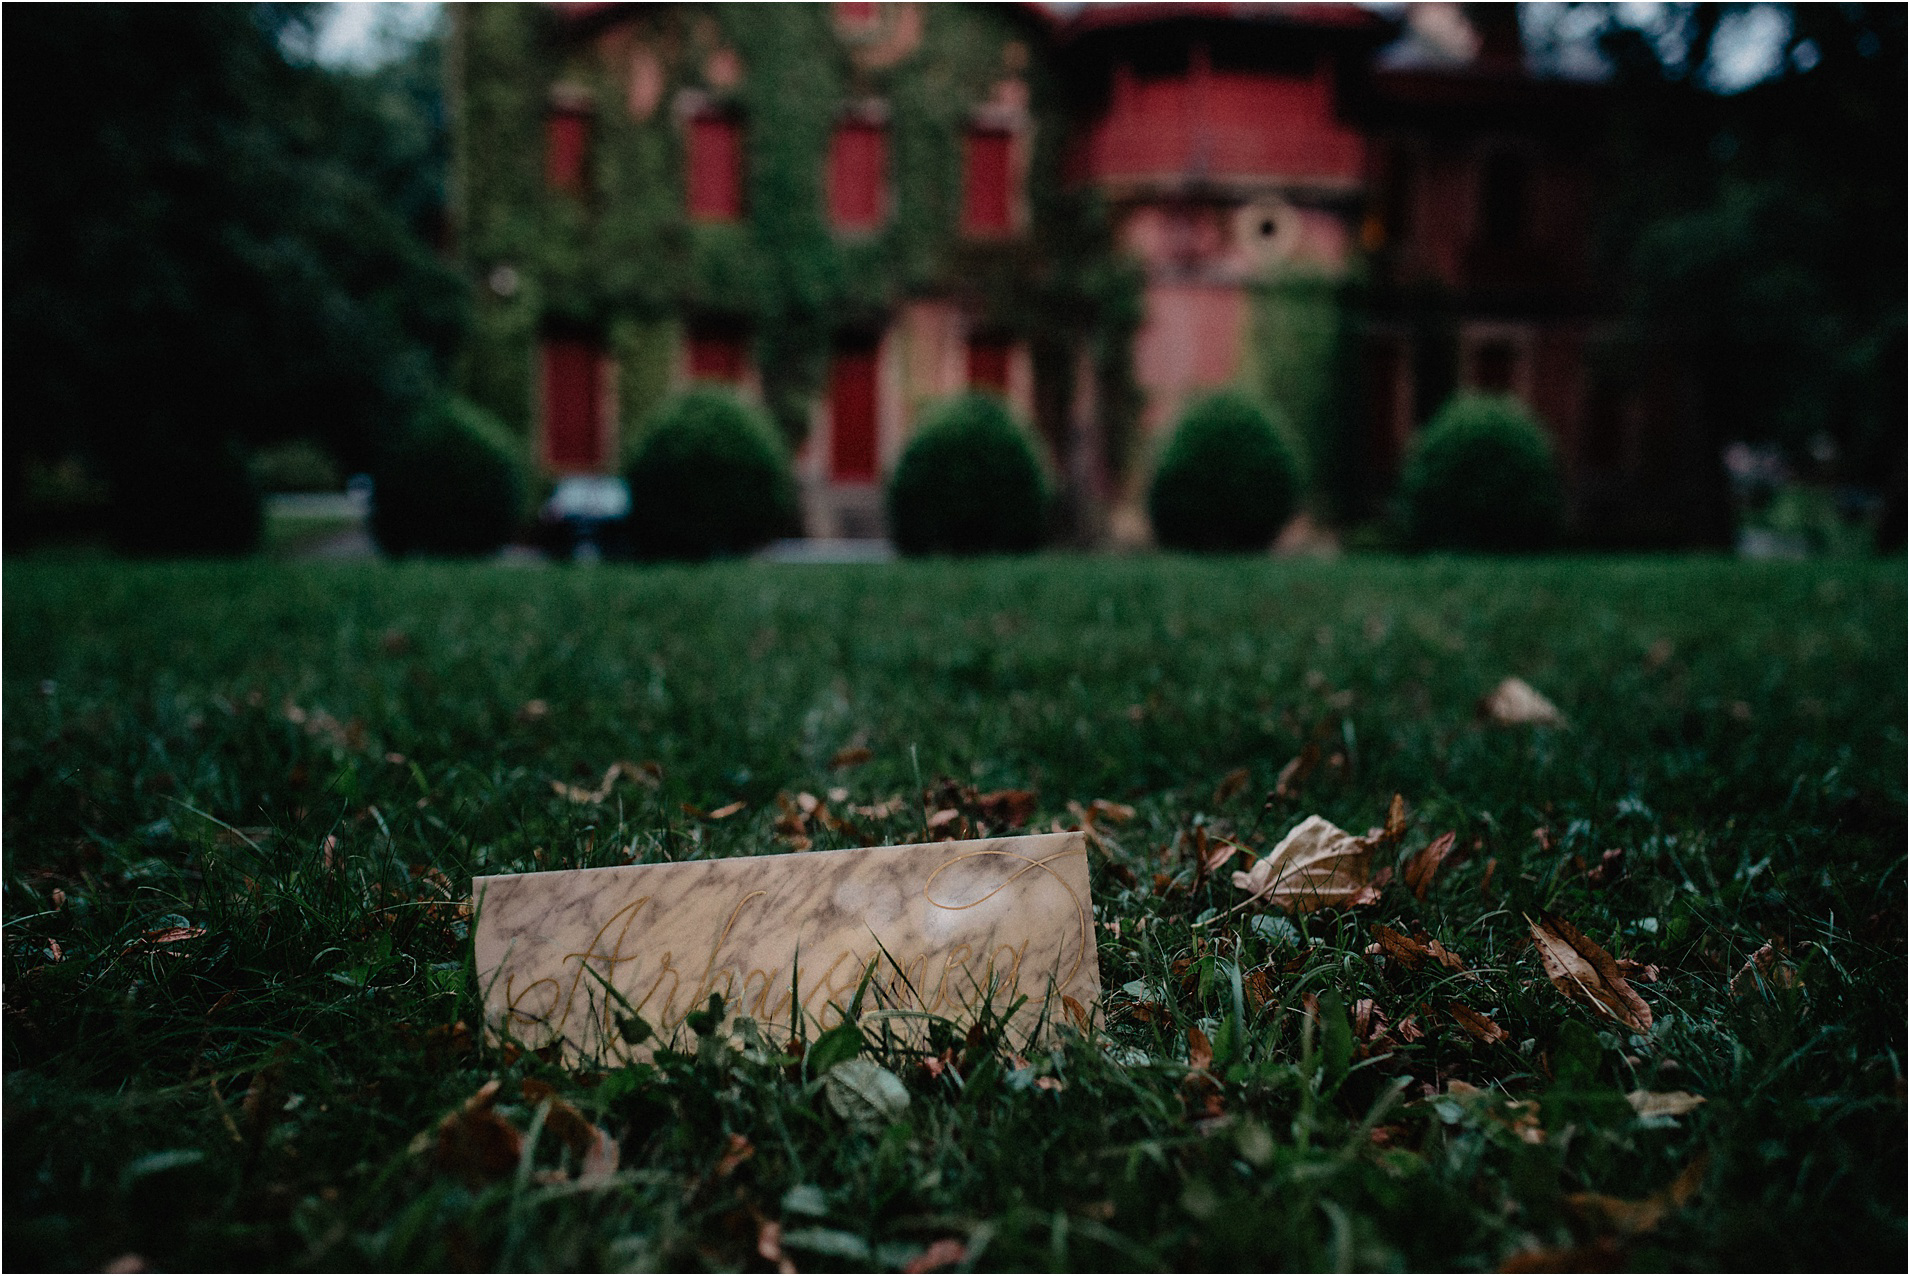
(211, 243)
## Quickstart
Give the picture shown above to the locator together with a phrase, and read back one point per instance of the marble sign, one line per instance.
(946, 928)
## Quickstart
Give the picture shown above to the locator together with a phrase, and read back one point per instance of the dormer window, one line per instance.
(858, 174)
(988, 186)
(715, 190)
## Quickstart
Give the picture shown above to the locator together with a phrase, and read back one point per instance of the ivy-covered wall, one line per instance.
(624, 263)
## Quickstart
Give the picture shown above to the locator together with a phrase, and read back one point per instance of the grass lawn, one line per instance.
(307, 763)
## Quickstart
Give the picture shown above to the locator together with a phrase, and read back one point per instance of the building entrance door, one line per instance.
(852, 414)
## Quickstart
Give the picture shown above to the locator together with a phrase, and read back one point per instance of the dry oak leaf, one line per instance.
(1477, 1026)
(1515, 703)
(1314, 866)
(477, 1144)
(1767, 966)
(1012, 807)
(1586, 973)
(943, 1253)
(1629, 1218)
(1423, 865)
(1668, 1103)
(1200, 1053)
(1231, 785)
(1395, 820)
(596, 1150)
(853, 756)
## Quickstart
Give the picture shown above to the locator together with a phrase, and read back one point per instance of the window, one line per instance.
(858, 164)
(566, 149)
(852, 412)
(716, 354)
(988, 364)
(573, 404)
(716, 167)
(1502, 200)
(988, 182)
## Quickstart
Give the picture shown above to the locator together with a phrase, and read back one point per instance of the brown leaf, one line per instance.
(945, 816)
(1423, 865)
(1586, 973)
(1314, 866)
(1610, 867)
(769, 1246)
(1514, 702)
(946, 1252)
(1102, 809)
(724, 812)
(853, 756)
(1767, 967)
(1637, 970)
(1369, 1021)
(738, 1150)
(1395, 820)
(1231, 785)
(1296, 771)
(1009, 807)
(475, 1143)
(1408, 952)
(1477, 1026)
(1076, 1012)
(1669, 1103)
(1446, 956)
(1408, 1029)
(1200, 1054)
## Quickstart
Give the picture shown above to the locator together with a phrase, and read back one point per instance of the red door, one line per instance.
(858, 156)
(852, 423)
(988, 183)
(716, 168)
(573, 405)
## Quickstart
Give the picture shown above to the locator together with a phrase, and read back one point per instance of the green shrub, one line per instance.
(710, 477)
(1481, 476)
(452, 483)
(1227, 481)
(298, 466)
(192, 498)
(969, 482)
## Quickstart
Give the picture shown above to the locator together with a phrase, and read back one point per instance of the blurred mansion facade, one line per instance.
(849, 211)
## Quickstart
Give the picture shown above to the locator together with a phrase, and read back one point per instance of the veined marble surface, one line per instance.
(947, 927)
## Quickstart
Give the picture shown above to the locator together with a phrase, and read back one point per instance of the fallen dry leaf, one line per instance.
(1767, 967)
(596, 1151)
(1514, 703)
(1424, 864)
(1670, 1103)
(853, 756)
(1076, 1011)
(648, 774)
(1231, 785)
(945, 816)
(1638, 970)
(1477, 1026)
(1630, 1218)
(724, 812)
(1011, 807)
(1200, 1052)
(738, 1150)
(943, 1253)
(1118, 812)
(1586, 973)
(769, 1246)
(1295, 772)
(1395, 820)
(475, 1143)
(1314, 866)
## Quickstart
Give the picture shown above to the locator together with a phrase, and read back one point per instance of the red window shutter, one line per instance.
(858, 160)
(566, 148)
(852, 420)
(573, 405)
(988, 365)
(716, 168)
(716, 356)
(988, 183)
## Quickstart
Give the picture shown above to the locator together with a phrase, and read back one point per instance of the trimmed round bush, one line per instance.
(710, 478)
(190, 498)
(969, 482)
(1482, 476)
(452, 483)
(1227, 481)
